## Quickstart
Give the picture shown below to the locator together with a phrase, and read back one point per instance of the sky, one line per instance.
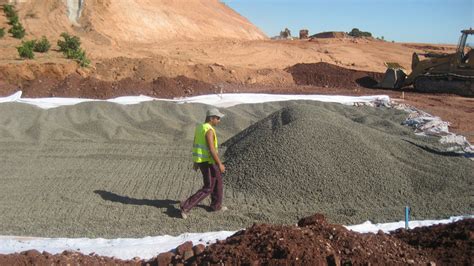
(421, 21)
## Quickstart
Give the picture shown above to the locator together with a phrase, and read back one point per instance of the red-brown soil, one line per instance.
(76, 86)
(327, 75)
(449, 244)
(312, 242)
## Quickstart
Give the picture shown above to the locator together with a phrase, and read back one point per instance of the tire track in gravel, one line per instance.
(105, 170)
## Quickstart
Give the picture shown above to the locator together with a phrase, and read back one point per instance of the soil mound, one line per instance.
(77, 86)
(349, 164)
(317, 243)
(330, 34)
(328, 75)
(34, 257)
(449, 244)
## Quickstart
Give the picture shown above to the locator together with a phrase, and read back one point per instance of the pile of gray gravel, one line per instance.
(352, 164)
(100, 169)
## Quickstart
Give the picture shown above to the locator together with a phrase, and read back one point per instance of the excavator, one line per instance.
(438, 73)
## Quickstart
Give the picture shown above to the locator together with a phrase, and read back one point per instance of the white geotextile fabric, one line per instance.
(428, 125)
(218, 100)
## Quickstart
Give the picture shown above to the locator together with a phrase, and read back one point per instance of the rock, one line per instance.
(82, 72)
(333, 260)
(164, 258)
(31, 253)
(181, 249)
(46, 254)
(471, 235)
(312, 220)
(198, 249)
(251, 80)
(188, 254)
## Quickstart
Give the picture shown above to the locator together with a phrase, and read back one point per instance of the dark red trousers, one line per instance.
(212, 180)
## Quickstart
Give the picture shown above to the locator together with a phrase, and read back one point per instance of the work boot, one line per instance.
(222, 209)
(183, 214)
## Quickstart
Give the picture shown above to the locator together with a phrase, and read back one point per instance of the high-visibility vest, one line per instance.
(201, 151)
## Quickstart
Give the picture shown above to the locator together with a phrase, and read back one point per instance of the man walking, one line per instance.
(206, 158)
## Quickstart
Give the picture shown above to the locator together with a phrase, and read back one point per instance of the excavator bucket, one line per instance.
(394, 78)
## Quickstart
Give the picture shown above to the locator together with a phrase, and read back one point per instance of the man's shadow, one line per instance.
(169, 205)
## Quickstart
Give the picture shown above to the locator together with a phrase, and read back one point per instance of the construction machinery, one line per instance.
(438, 73)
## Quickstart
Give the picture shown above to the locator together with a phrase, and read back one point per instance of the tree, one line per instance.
(26, 49)
(42, 46)
(17, 31)
(69, 43)
(355, 32)
(9, 11)
(71, 48)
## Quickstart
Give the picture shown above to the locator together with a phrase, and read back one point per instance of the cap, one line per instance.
(214, 112)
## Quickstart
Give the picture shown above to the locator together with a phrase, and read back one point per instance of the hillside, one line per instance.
(133, 21)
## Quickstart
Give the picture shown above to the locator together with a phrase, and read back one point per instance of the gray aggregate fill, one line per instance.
(99, 169)
(351, 164)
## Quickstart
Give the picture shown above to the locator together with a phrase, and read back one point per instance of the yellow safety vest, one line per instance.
(201, 151)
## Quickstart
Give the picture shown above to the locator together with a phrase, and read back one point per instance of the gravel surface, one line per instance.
(352, 164)
(106, 170)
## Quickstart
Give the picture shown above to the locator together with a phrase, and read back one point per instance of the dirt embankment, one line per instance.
(327, 75)
(76, 86)
(117, 22)
(312, 242)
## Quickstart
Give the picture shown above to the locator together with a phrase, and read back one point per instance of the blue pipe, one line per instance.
(407, 216)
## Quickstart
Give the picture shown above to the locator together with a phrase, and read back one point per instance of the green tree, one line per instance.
(71, 48)
(2, 32)
(26, 49)
(9, 11)
(42, 46)
(69, 43)
(17, 31)
(80, 56)
(13, 20)
(355, 32)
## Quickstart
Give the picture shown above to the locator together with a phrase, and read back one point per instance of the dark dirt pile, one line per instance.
(328, 75)
(313, 241)
(449, 244)
(316, 242)
(331, 244)
(34, 257)
(352, 164)
(76, 86)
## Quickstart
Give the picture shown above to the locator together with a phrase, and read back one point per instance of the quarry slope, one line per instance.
(131, 21)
